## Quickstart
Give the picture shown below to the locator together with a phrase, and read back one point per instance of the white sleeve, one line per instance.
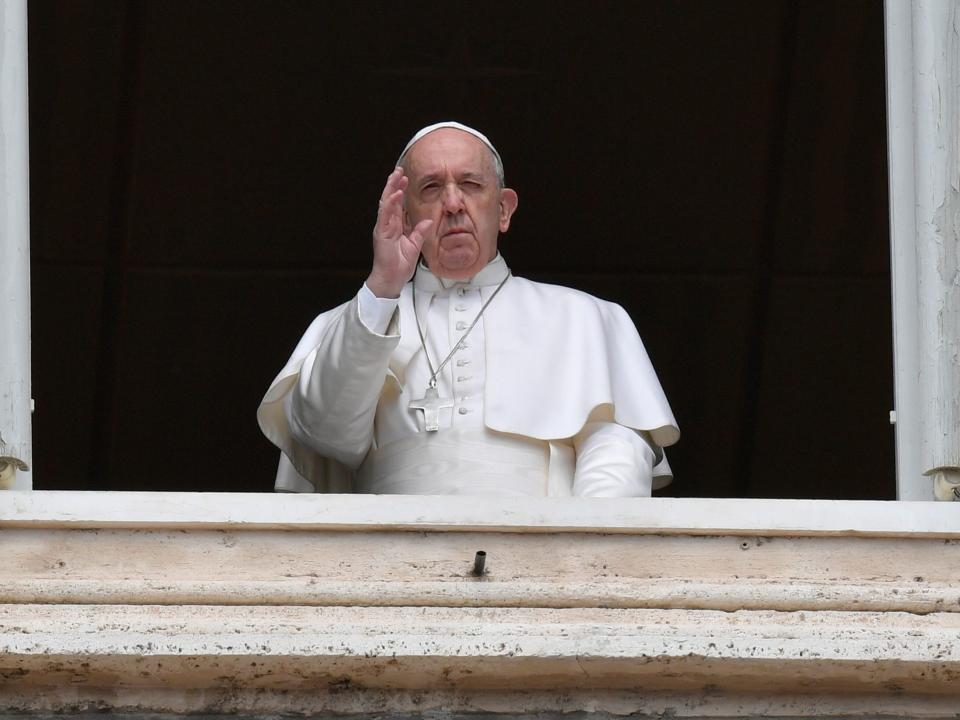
(612, 461)
(376, 312)
(331, 407)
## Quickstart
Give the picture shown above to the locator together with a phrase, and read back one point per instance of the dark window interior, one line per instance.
(204, 179)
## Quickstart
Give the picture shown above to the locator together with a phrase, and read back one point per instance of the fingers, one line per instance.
(417, 234)
(390, 202)
(391, 199)
(395, 181)
(389, 211)
(390, 186)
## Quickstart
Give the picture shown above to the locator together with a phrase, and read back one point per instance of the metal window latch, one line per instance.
(8, 471)
(946, 484)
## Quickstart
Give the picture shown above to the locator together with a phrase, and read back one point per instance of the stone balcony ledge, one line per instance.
(252, 604)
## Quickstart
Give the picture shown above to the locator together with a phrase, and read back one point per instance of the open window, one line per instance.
(718, 169)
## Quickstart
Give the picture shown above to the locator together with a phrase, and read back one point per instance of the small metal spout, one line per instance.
(478, 563)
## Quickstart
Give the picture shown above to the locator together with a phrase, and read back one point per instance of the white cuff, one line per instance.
(375, 312)
(612, 461)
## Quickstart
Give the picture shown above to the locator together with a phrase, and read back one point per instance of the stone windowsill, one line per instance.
(169, 602)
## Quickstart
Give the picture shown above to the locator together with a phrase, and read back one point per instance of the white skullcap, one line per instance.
(456, 126)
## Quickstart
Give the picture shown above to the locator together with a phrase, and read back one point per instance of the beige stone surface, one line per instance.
(344, 699)
(428, 569)
(241, 615)
(99, 650)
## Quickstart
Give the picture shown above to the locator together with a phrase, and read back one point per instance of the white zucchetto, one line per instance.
(456, 126)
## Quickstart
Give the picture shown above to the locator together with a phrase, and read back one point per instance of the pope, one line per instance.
(446, 374)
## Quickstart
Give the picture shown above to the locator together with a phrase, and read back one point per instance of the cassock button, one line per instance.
(463, 411)
(463, 378)
(461, 291)
(461, 325)
(460, 307)
(462, 362)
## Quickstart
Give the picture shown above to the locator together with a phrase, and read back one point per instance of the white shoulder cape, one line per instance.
(556, 357)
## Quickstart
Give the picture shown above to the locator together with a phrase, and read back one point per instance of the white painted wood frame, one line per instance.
(923, 108)
(15, 429)
(438, 513)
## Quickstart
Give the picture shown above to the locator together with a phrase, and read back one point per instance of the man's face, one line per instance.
(453, 183)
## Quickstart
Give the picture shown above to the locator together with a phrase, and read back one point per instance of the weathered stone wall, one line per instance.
(264, 605)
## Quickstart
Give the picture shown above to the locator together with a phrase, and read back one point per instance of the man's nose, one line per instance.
(452, 199)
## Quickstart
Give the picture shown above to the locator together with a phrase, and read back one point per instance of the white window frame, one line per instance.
(903, 250)
(922, 107)
(74, 509)
(902, 26)
(15, 429)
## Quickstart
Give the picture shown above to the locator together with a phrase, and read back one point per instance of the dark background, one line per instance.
(204, 180)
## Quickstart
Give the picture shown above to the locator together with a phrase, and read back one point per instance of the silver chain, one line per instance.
(433, 377)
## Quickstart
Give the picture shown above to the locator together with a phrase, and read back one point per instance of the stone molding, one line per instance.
(159, 602)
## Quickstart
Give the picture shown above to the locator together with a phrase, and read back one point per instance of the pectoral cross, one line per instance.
(431, 403)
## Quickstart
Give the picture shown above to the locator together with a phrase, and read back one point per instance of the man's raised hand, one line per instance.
(394, 253)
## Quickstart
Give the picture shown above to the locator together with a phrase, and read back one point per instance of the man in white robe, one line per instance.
(447, 375)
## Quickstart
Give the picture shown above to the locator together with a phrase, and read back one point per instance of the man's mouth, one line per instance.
(455, 231)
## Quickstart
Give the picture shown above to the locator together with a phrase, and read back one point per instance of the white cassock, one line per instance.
(552, 393)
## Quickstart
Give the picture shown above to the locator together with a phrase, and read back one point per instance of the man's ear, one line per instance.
(508, 206)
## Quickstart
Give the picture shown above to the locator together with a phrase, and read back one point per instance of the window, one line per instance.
(183, 246)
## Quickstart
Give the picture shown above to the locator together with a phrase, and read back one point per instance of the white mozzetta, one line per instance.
(676, 516)
(590, 364)
(15, 437)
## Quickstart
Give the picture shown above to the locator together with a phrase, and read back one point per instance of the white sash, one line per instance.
(472, 461)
